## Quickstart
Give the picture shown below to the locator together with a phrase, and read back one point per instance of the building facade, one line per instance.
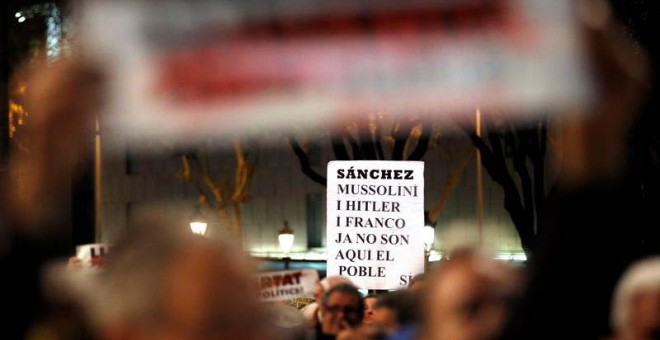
(139, 185)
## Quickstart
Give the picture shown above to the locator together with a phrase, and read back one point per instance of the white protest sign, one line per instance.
(92, 255)
(286, 285)
(375, 215)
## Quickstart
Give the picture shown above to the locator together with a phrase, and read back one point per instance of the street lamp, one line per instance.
(198, 222)
(285, 239)
(428, 236)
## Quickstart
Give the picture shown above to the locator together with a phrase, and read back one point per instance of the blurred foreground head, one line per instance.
(467, 297)
(369, 302)
(164, 284)
(395, 309)
(48, 151)
(636, 302)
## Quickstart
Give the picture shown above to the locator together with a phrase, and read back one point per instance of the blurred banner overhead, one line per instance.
(188, 70)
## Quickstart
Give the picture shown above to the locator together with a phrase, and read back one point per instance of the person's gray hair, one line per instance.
(348, 289)
(641, 276)
(331, 281)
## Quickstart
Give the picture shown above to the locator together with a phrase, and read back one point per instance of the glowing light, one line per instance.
(21, 19)
(286, 242)
(17, 115)
(286, 238)
(18, 15)
(518, 257)
(198, 228)
(198, 222)
(428, 235)
(435, 256)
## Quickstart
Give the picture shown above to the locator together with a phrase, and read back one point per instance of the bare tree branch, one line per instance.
(366, 141)
(520, 151)
(243, 172)
(378, 145)
(539, 148)
(216, 189)
(494, 161)
(355, 147)
(304, 163)
(452, 181)
(185, 168)
(338, 148)
(223, 196)
(400, 134)
(379, 149)
(422, 142)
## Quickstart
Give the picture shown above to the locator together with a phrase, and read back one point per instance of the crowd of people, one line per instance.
(162, 283)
